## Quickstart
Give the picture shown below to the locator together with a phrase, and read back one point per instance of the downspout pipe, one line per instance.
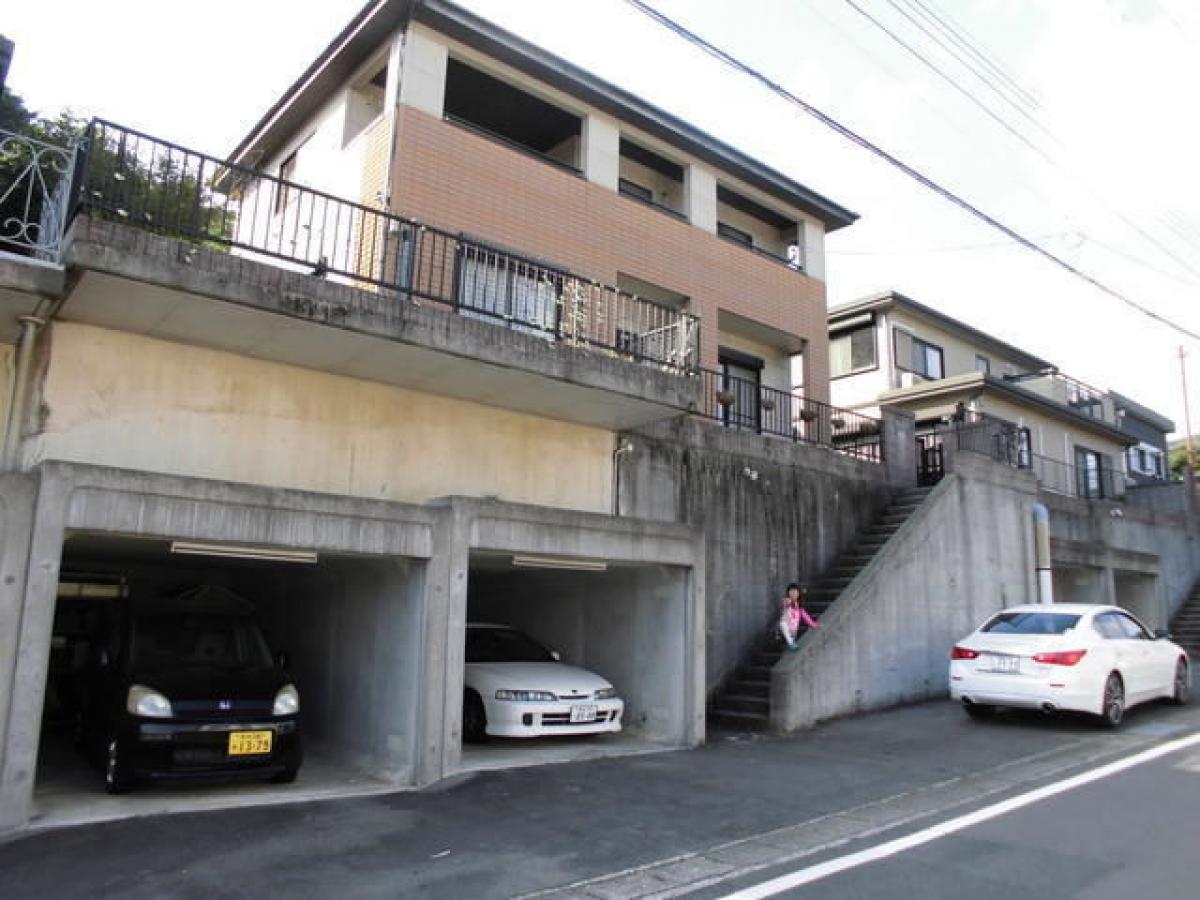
(624, 446)
(1041, 541)
(18, 395)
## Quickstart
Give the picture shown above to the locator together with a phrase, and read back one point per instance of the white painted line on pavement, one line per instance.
(899, 845)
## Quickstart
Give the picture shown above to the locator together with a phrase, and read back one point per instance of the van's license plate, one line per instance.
(248, 743)
(583, 712)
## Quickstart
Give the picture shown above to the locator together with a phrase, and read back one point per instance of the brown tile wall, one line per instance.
(455, 179)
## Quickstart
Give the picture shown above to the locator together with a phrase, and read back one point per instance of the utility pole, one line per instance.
(1187, 418)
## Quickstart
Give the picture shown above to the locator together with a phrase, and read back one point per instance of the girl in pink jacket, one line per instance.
(792, 614)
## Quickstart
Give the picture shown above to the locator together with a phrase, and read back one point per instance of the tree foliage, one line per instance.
(142, 182)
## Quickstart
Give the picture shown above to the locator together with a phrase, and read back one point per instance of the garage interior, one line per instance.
(626, 622)
(350, 627)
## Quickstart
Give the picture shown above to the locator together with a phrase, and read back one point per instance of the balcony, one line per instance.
(746, 405)
(1075, 395)
(158, 232)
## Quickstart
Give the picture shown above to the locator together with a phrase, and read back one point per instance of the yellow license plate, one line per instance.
(246, 743)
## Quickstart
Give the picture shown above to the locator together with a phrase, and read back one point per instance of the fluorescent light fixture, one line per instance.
(87, 590)
(241, 551)
(557, 562)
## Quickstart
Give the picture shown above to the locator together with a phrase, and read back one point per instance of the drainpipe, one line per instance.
(18, 396)
(1041, 539)
(624, 446)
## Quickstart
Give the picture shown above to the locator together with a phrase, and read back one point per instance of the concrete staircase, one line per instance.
(1185, 626)
(744, 701)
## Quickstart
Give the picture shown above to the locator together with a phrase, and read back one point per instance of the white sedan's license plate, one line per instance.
(583, 712)
(1008, 665)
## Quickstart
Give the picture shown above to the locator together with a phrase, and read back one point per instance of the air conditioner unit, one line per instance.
(910, 379)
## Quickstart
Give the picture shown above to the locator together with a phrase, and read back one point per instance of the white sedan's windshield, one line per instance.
(503, 645)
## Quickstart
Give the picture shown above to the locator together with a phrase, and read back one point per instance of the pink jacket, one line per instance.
(794, 614)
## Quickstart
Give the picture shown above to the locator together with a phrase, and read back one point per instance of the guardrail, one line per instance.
(745, 404)
(162, 187)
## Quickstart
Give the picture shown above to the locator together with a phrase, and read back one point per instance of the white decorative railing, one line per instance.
(35, 181)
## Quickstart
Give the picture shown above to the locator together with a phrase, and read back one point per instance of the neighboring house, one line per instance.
(891, 351)
(1146, 462)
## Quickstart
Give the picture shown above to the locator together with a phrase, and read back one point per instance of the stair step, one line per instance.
(744, 688)
(744, 720)
(766, 658)
(754, 673)
(743, 703)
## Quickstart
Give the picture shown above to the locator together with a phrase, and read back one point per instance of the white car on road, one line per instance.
(1066, 656)
(515, 687)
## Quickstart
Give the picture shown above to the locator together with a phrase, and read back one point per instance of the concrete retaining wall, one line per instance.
(966, 552)
(771, 511)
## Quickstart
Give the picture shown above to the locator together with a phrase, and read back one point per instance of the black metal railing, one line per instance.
(1091, 483)
(745, 404)
(162, 187)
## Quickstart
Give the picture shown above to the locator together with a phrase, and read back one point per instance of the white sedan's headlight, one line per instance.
(607, 693)
(144, 701)
(526, 696)
(287, 701)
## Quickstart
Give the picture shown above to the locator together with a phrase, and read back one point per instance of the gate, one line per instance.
(931, 463)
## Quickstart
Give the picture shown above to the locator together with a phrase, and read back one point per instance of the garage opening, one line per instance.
(617, 625)
(1138, 593)
(344, 630)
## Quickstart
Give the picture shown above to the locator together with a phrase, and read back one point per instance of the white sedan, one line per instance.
(515, 687)
(1066, 656)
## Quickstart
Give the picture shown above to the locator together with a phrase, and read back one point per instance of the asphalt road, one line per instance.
(658, 824)
(1130, 835)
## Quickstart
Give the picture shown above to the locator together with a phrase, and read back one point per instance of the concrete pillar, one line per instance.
(601, 150)
(899, 447)
(700, 189)
(423, 82)
(813, 249)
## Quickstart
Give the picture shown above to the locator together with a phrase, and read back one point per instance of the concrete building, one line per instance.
(479, 336)
(891, 351)
(402, 334)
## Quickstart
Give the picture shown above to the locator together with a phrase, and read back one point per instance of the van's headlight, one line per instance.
(142, 701)
(607, 693)
(526, 696)
(287, 701)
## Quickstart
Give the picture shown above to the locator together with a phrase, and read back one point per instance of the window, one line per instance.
(635, 190)
(495, 286)
(287, 171)
(1089, 473)
(1030, 623)
(916, 355)
(852, 351)
(741, 378)
(1024, 448)
(735, 234)
(983, 364)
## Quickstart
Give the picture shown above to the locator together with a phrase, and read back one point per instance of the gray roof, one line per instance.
(380, 18)
(888, 299)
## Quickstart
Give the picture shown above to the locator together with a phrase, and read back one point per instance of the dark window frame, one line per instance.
(283, 194)
(635, 191)
(896, 332)
(735, 234)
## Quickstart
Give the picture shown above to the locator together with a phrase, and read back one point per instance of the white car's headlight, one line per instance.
(287, 701)
(607, 693)
(144, 701)
(526, 696)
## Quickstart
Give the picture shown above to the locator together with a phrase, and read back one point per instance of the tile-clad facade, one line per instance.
(455, 179)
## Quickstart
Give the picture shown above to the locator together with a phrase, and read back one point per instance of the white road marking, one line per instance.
(899, 845)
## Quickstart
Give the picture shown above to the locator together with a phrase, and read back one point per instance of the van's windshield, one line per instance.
(197, 640)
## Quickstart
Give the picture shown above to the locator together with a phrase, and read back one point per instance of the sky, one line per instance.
(1081, 134)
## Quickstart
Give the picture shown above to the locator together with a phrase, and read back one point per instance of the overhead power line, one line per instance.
(1011, 129)
(922, 179)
